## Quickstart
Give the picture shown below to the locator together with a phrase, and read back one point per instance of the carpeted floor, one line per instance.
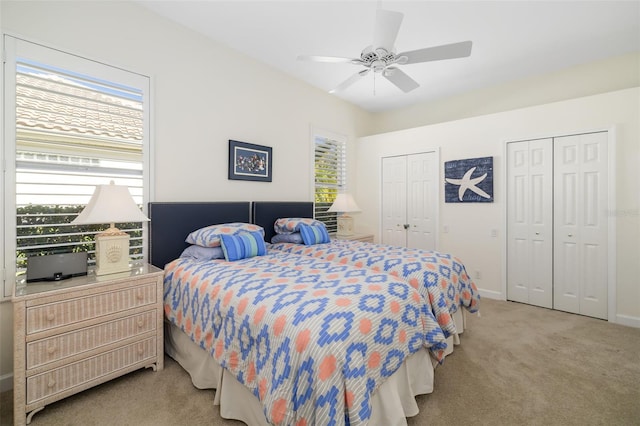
(517, 365)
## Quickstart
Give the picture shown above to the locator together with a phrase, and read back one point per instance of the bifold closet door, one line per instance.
(580, 224)
(422, 174)
(394, 201)
(410, 200)
(529, 222)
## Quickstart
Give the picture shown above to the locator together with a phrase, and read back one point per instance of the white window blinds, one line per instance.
(330, 177)
(73, 131)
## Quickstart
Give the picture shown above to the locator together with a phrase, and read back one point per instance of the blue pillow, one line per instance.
(295, 238)
(203, 253)
(243, 246)
(288, 225)
(314, 234)
(209, 236)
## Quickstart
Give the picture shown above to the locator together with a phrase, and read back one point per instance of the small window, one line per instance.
(73, 131)
(330, 162)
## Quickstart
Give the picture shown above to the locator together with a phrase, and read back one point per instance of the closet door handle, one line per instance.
(570, 235)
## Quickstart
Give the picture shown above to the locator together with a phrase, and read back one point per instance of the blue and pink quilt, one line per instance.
(440, 278)
(312, 339)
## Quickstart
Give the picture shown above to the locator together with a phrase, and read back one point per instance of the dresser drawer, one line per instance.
(56, 314)
(64, 345)
(67, 377)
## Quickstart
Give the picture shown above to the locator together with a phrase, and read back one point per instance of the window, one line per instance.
(74, 124)
(330, 176)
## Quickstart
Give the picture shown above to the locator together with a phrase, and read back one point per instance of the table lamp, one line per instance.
(344, 204)
(111, 204)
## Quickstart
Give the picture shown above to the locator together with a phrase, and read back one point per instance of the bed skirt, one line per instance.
(392, 403)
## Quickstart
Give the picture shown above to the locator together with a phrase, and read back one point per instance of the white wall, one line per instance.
(617, 73)
(470, 225)
(203, 94)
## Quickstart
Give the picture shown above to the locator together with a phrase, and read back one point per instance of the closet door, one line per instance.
(529, 222)
(422, 200)
(394, 201)
(580, 222)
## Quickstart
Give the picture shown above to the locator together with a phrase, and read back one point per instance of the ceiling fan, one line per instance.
(381, 57)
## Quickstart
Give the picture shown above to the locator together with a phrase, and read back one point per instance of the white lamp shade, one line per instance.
(110, 204)
(344, 203)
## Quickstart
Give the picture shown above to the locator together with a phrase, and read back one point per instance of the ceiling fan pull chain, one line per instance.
(374, 84)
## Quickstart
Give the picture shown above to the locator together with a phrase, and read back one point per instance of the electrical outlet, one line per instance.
(494, 232)
(445, 229)
(477, 275)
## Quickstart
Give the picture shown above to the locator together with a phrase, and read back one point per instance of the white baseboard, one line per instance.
(6, 382)
(490, 294)
(628, 321)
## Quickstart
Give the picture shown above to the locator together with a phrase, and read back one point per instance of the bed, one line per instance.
(441, 278)
(223, 316)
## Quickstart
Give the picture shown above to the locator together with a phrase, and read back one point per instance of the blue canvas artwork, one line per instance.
(469, 180)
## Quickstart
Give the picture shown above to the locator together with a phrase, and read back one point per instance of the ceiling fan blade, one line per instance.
(386, 29)
(400, 79)
(437, 53)
(348, 82)
(333, 59)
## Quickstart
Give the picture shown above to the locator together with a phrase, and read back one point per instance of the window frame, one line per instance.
(14, 47)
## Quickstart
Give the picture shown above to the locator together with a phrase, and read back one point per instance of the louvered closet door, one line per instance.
(580, 224)
(421, 207)
(529, 222)
(394, 200)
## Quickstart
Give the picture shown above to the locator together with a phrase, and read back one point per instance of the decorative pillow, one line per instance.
(209, 236)
(289, 225)
(314, 234)
(295, 238)
(203, 253)
(243, 245)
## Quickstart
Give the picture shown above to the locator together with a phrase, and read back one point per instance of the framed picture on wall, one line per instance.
(248, 161)
(469, 180)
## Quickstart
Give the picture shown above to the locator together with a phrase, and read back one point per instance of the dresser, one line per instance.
(75, 334)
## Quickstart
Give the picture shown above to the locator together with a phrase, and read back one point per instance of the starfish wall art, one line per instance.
(469, 180)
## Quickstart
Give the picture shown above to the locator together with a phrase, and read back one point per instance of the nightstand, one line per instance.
(75, 334)
(367, 238)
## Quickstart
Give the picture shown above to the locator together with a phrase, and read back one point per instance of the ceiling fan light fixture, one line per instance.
(378, 66)
(381, 55)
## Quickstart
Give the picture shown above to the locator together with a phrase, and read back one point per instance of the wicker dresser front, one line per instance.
(86, 332)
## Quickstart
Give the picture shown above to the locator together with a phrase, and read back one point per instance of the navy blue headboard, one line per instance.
(171, 222)
(265, 213)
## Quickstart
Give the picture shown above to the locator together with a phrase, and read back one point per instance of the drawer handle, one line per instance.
(140, 350)
(51, 316)
(140, 295)
(51, 383)
(140, 323)
(51, 349)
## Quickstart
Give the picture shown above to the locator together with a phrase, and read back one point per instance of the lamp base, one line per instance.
(345, 225)
(112, 252)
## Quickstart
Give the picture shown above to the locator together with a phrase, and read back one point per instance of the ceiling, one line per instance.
(512, 40)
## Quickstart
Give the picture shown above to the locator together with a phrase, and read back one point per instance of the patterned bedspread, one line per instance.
(439, 277)
(310, 338)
